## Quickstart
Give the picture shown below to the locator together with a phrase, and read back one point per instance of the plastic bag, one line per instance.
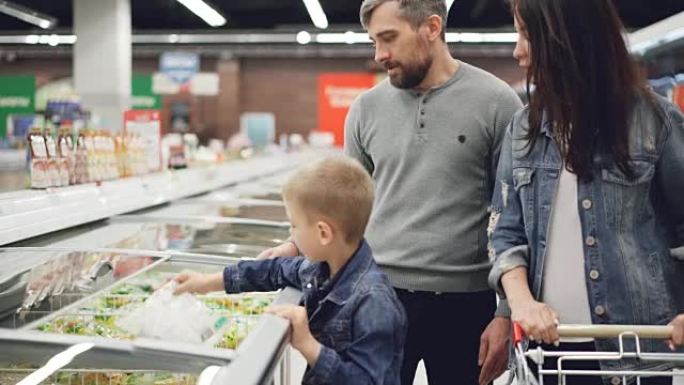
(164, 316)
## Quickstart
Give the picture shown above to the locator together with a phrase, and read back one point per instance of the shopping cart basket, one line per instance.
(526, 376)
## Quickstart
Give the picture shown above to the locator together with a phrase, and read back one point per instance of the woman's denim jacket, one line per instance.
(633, 228)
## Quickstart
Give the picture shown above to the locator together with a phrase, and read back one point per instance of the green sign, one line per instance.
(17, 96)
(143, 98)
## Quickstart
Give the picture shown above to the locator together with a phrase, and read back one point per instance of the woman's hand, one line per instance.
(538, 320)
(677, 333)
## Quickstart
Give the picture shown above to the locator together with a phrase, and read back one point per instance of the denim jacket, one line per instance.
(360, 323)
(633, 228)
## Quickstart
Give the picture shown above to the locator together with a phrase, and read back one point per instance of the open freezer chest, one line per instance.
(86, 295)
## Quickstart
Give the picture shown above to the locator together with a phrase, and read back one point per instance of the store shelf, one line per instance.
(29, 213)
(658, 36)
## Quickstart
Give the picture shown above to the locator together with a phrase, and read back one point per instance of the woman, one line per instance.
(589, 199)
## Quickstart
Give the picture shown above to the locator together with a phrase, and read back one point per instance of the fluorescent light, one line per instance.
(348, 37)
(303, 38)
(53, 40)
(449, 3)
(481, 37)
(205, 12)
(27, 14)
(316, 13)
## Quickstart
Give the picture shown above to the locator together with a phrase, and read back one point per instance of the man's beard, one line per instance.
(410, 75)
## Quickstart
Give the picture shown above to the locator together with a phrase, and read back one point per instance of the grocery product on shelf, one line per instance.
(54, 163)
(234, 315)
(65, 146)
(40, 177)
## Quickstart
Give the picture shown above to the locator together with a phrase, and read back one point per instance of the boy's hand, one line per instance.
(302, 339)
(198, 283)
(287, 249)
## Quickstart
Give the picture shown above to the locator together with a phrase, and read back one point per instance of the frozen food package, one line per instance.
(182, 318)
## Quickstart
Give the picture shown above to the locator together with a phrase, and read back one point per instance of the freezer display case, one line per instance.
(232, 237)
(90, 297)
(263, 189)
(229, 207)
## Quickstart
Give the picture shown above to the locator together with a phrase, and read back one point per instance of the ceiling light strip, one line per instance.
(205, 12)
(302, 37)
(316, 13)
(27, 14)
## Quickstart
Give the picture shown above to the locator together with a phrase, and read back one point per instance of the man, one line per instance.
(430, 137)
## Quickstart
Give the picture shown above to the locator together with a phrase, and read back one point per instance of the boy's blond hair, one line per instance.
(337, 188)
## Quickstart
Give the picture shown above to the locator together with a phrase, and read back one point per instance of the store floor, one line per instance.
(421, 377)
(299, 365)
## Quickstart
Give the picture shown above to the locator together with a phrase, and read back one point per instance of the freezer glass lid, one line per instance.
(225, 237)
(41, 281)
(235, 208)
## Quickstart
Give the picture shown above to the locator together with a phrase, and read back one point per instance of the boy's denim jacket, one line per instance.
(360, 323)
(633, 228)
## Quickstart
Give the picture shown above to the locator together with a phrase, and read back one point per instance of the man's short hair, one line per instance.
(337, 188)
(416, 12)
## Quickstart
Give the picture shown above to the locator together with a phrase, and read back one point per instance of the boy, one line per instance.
(352, 327)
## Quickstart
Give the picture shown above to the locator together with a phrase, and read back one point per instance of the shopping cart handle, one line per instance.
(614, 331)
(518, 333)
(603, 331)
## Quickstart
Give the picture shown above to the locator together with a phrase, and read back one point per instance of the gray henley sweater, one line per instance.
(433, 158)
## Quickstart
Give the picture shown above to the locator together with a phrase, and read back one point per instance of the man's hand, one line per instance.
(493, 357)
(198, 283)
(287, 249)
(301, 339)
(677, 333)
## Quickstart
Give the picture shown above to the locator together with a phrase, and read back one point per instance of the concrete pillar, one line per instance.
(229, 97)
(103, 58)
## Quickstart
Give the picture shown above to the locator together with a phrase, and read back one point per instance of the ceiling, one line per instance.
(169, 15)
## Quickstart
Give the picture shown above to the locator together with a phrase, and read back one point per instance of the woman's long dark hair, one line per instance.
(585, 80)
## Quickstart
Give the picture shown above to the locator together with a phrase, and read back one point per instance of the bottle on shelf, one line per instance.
(39, 159)
(65, 146)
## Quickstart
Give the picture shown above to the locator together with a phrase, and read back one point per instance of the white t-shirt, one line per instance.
(564, 286)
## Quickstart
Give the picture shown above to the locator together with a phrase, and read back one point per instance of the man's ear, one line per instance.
(326, 233)
(433, 25)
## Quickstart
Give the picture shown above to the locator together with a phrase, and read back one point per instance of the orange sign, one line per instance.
(336, 93)
(678, 95)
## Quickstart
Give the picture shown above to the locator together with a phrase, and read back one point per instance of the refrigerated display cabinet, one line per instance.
(77, 297)
(237, 237)
(231, 207)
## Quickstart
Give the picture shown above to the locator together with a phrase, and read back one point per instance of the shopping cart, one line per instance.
(526, 376)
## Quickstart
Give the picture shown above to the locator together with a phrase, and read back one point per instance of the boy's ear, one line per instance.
(325, 233)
